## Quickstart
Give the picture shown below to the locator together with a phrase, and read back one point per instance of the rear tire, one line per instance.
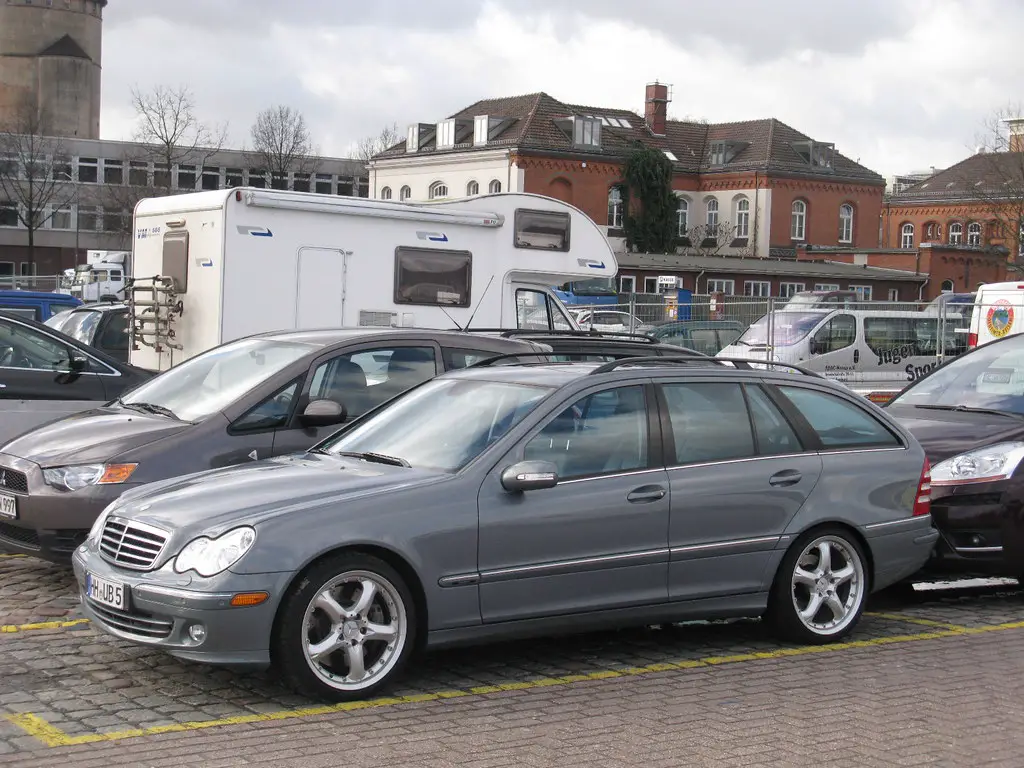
(821, 587)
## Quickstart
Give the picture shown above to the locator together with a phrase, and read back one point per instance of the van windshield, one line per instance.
(789, 328)
(81, 326)
(992, 378)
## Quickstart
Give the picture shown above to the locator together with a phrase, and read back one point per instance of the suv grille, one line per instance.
(13, 480)
(130, 544)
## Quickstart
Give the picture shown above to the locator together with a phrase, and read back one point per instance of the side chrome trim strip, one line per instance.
(901, 521)
(543, 568)
(725, 544)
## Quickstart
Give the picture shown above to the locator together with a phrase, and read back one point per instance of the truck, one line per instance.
(211, 267)
(102, 277)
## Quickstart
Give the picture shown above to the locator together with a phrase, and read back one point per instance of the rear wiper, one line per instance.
(149, 408)
(376, 458)
(970, 409)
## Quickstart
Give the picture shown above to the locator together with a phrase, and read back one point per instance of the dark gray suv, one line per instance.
(508, 500)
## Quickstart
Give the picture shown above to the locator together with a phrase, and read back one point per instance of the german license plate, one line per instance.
(106, 592)
(8, 506)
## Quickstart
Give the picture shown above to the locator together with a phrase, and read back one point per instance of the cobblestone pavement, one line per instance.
(929, 678)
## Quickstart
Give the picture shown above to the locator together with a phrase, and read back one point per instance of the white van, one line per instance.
(866, 349)
(998, 312)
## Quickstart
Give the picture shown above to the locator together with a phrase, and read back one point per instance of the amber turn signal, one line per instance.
(116, 473)
(245, 599)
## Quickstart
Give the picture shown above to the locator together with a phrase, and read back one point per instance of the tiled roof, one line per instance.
(983, 177)
(765, 145)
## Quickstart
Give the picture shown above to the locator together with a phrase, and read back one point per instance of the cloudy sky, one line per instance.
(900, 84)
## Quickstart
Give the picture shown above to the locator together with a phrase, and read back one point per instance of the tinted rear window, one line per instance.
(839, 423)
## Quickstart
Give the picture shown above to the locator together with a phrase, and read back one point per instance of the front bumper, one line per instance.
(163, 605)
(50, 523)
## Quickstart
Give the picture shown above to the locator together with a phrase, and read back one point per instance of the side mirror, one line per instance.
(817, 347)
(322, 413)
(78, 362)
(529, 476)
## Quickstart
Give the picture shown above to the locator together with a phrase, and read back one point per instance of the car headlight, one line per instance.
(983, 465)
(208, 557)
(97, 527)
(76, 478)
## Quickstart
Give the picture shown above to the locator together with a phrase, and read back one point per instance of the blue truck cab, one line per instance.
(36, 305)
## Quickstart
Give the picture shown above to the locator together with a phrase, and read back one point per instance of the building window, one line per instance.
(974, 233)
(907, 236)
(258, 178)
(113, 172)
(473, 188)
(61, 218)
(324, 184)
(627, 284)
(233, 178)
(345, 187)
(88, 170)
(863, 292)
(717, 153)
(301, 182)
(615, 208)
(6, 269)
(186, 177)
(138, 173)
(27, 270)
(385, 193)
(8, 214)
(931, 233)
(650, 285)
(727, 287)
(759, 288)
(947, 286)
(114, 220)
(743, 218)
(364, 187)
(404, 193)
(846, 223)
(798, 220)
(586, 131)
(894, 294)
(790, 289)
(88, 218)
(826, 286)
(494, 187)
(712, 217)
(438, 190)
(956, 233)
(682, 217)
(1020, 240)
(211, 178)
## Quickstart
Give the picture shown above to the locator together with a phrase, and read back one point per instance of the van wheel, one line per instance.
(346, 629)
(820, 589)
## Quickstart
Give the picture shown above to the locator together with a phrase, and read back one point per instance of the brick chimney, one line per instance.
(1016, 126)
(656, 107)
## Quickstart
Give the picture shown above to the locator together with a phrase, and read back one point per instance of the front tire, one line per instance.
(821, 587)
(346, 629)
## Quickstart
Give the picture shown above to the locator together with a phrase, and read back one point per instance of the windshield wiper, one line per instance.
(376, 458)
(149, 408)
(970, 409)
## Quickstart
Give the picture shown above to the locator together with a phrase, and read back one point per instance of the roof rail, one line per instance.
(487, 362)
(736, 361)
(612, 335)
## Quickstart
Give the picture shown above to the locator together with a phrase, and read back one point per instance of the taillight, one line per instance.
(923, 499)
(972, 340)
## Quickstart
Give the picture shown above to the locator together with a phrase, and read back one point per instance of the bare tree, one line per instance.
(35, 173)
(709, 239)
(372, 146)
(281, 144)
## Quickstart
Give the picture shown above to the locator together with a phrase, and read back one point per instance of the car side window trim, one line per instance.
(805, 433)
(854, 448)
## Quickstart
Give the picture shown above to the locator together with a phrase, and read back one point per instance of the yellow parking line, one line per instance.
(915, 620)
(52, 736)
(11, 628)
(4, 556)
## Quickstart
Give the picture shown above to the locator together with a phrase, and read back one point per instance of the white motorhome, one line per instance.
(869, 350)
(998, 312)
(211, 267)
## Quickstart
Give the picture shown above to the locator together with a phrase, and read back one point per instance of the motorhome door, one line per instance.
(320, 288)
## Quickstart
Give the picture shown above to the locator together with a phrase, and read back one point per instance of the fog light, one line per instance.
(198, 633)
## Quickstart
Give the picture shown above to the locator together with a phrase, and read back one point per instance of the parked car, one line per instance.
(509, 500)
(101, 326)
(36, 305)
(610, 321)
(969, 417)
(264, 395)
(45, 375)
(706, 336)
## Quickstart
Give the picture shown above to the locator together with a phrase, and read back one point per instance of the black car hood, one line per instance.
(92, 436)
(248, 493)
(944, 434)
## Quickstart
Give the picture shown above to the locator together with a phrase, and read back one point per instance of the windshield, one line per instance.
(991, 377)
(443, 424)
(209, 382)
(789, 328)
(597, 286)
(80, 325)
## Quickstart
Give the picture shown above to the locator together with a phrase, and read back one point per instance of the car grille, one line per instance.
(25, 536)
(131, 544)
(13, 480)
(134, 623)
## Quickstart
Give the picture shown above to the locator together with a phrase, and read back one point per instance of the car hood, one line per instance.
(92, 436)
(944, 434)
(247, 494)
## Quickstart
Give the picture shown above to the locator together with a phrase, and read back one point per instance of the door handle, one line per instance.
(784, 478)
(646, 493)
(856, 355)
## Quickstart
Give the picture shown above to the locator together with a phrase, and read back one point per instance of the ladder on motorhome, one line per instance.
(153, 305)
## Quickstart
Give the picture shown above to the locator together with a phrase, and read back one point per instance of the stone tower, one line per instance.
(50, 53)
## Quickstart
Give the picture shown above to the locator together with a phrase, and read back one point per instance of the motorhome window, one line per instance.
(430, 277)
(175, 259)
(543, 230)
(786, 328)
(838, 333)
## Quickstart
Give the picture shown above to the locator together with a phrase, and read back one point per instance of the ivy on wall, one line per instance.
(649, 204)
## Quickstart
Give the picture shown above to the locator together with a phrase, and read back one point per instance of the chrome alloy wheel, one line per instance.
(355, 629)
(828, 585)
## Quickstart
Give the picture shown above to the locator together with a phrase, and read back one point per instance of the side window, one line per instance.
(272, 413)
(433, 277)
(544, 230)
(838, 333)
(463, 358)
(599, 434)
(115, 335)
(709, 422)
(774, 434)
(32, 313)
(26, 348)
(363, 380)
(839, 424)
(532, 312)
(893, 338)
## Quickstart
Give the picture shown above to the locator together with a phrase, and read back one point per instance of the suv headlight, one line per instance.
(82, 476)
(983, 465)
(208, 557)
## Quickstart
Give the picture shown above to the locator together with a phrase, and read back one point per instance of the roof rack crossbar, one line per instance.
(510, 332)
(739, 362)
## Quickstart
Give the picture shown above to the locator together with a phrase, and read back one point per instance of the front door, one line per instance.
(37, 366)
(320, 288)
(738, 475)
(833, 348)
(598, 540)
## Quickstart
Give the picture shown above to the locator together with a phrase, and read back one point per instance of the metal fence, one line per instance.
(49, 283)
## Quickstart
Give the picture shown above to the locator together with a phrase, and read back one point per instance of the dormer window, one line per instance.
(816, 154)
(724, 152)
(586, 131)
(481, 127)
(446, 134)
(717, 153)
